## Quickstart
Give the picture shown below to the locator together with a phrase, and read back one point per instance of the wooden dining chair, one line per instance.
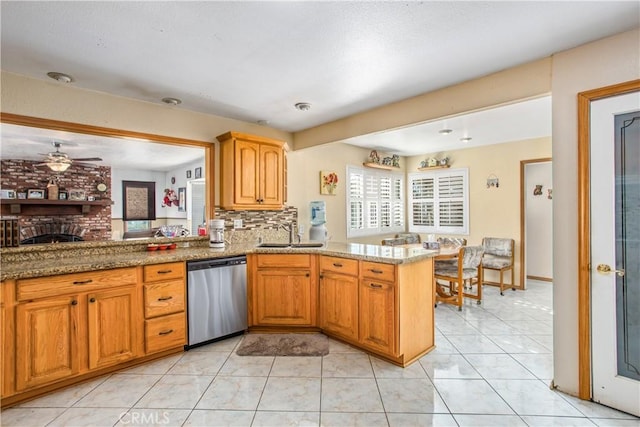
(467, 268)
(498, 256)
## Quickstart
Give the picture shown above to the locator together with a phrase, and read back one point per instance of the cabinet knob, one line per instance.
(92, 300)
(74, 302)
(308, 274)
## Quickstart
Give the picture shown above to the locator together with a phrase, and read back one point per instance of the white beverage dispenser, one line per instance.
(318, 231)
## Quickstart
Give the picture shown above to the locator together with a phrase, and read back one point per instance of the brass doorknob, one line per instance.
(605, 268)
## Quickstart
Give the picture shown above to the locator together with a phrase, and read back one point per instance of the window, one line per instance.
(375, 202)
(439, 201)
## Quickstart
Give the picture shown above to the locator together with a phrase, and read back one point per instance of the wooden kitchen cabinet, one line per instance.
(49, 346)
(378, 316)
(89, 322)
(339, 296)
(165, 325)
(112, 326)
(282, 290)
(252, 172)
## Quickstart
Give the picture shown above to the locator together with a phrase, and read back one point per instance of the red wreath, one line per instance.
(170, 198)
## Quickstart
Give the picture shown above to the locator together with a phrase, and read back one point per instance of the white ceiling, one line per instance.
(254, 60)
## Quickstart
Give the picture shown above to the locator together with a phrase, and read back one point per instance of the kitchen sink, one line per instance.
(293, 245)
(273, 245)
(308, 245)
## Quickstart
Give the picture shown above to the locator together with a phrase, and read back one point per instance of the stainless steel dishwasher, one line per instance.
(217, 299)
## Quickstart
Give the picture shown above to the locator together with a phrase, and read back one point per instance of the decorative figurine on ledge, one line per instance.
(395, 161)
(373, 157)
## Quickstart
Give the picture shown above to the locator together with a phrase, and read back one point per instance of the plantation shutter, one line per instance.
(439, 201)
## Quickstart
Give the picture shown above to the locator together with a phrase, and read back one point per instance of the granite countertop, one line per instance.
(114, 258)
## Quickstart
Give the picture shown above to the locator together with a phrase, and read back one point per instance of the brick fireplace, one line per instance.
(53, 222)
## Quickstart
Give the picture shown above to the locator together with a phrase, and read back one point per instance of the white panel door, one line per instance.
(615, 262)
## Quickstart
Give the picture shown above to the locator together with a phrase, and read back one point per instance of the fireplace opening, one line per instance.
(52, 232)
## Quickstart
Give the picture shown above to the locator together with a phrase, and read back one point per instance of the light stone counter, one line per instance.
(48, 260)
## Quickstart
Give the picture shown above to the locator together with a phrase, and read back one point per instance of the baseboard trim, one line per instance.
(539, 278)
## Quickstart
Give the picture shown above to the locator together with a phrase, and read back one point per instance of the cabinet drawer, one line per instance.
(164, 332)
(339, 265)
(72, 283)
(289, 261)
(168, 271)
(163, 298)
(378, 271)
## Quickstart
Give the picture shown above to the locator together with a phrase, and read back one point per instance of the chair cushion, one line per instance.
(497, 246)
(409, 237)
(449, 272)
(452, 242)
(472, 256)
(493, 261)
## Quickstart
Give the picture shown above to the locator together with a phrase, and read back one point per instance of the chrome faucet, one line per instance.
(291, 229)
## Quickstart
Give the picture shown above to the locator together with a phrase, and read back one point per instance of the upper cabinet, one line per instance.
(252, 172)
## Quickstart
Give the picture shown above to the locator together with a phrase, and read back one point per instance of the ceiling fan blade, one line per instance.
(88, 159)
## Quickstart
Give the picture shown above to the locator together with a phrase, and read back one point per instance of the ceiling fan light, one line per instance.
(58, 166)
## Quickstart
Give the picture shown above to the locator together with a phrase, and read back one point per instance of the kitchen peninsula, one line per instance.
(75, 311)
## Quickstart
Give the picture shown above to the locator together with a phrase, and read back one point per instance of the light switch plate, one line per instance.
(237, 223)
(301, 229)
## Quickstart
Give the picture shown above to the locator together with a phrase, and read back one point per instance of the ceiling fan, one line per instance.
(60, 162)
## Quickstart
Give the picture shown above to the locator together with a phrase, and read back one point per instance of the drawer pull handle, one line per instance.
(82, 282)
(74, 302)
(164, 298)
(375, 285)
(165, 332)
(376, 271)
(337, 264)
(164, 271)
(92, 300)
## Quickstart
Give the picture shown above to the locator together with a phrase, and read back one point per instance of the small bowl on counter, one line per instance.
(152, 247)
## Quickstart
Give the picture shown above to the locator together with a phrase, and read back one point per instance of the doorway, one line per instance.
(196, 205)
(536, 220)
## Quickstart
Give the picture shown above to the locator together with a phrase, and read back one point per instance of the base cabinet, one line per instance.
(64, 328)
(111, 326)
(282, 290)
(48, 347)
(378, 316)
(339, 296)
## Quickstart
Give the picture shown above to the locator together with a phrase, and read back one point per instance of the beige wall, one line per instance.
(495, 212)
(304, 168)
(602, 63)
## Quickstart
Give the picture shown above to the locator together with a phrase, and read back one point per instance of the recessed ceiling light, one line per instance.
(445, 131)
(263, 122)
(171, 101)
(61, 77)
(466, 139)
(303, 106)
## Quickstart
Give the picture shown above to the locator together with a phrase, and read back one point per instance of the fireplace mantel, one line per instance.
(49, 207)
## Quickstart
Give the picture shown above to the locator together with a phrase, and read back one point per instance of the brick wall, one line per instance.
(22, 175)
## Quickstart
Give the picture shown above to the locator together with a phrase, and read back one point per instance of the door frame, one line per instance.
(523, 216)
(584, 229)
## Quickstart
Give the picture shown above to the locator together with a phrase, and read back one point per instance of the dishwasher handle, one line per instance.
(215, 263)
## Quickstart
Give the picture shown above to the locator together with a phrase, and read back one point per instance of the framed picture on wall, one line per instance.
(189, 174)
(198, 173)
(139, 200)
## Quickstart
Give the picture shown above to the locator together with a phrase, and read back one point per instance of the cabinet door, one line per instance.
(112, 326)
(271, 175)
(377, 315)
(283, 297)
(246, 182)
(48, 340)
(339, 304)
